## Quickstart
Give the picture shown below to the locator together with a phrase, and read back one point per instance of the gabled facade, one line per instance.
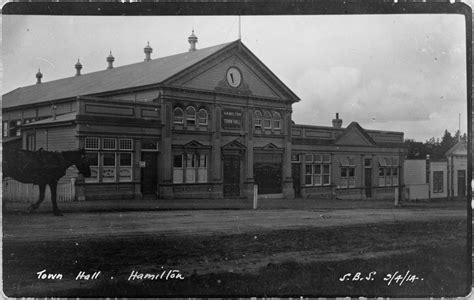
(457, 170)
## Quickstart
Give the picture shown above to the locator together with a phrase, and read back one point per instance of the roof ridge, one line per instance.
(124, 66)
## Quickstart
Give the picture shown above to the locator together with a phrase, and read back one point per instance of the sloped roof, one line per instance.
(358, 128)
(128, 76)
(60, 118)
(460, 148)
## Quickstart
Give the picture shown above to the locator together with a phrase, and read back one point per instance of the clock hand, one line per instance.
(232, 77)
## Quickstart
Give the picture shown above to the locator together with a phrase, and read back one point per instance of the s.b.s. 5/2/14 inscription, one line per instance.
(390, 278)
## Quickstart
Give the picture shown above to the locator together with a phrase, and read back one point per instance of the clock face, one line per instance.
(234, 78)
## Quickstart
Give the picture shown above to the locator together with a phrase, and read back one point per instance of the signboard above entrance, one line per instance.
(231, 118)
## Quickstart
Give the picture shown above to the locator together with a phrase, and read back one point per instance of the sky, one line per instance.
(387, 72)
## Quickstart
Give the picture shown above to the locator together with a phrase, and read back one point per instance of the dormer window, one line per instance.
(178, 116)
(267, 120)
(190, 116)
(276, 121)
(258, 119)
(202, 117)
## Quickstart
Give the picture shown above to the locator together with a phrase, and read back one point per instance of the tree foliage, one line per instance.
(434, 147)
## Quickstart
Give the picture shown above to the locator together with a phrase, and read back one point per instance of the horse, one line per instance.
(43, 168)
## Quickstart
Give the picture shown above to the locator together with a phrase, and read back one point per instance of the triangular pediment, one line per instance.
(234, 145)
(354, 135)
(459, 149)
(254, 77)
(194, 144)
(270, 146)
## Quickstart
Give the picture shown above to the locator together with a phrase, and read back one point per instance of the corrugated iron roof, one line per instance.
(129, 76)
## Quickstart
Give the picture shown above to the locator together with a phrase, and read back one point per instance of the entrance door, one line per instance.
(368, 177)
(295, 173)
(231, 175)
(461, 182)
(368, 182)
(149, 173)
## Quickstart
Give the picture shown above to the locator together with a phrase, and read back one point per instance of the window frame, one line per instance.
(276, 121)
(179, 120)
(190, 118)
(258, 122)
(267, 117)
(205, 123)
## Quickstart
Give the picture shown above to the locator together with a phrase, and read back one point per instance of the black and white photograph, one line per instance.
(323, 154)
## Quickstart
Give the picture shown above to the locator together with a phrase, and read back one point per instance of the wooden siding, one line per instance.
(60, 139)
(41, 139)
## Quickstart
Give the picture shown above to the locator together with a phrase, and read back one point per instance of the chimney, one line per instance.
(78, 68)
(337, 123)
(148, 50)
(192, 39)
(38, 77)
(110, 61)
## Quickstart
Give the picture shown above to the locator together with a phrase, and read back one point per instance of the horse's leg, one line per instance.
(42, 189)
(53, 186)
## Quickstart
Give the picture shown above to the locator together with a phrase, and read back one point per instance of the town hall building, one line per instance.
(206, 123)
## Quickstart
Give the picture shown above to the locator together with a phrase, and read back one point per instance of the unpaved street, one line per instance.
(77, 226)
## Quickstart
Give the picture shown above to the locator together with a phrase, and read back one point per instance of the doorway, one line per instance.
(231, 175)
(461, 182)
(295, 173)
(149, 178)
(368, 177)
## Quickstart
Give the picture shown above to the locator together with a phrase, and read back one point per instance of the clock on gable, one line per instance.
(234, 77)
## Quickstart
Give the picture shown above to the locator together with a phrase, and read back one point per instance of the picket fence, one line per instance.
(15, 191)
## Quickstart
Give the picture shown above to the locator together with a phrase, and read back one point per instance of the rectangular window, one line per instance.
(125, 166)
(308, 158)
(317, 175)
(308, 175)
(276, 124)
(394, 176)
(318, 158)
(5, 129)
(30, 142)
(126, 144)
(190, 168)
(295, 157)
(93, 159)
(437, 181)
(178, 168)
(109, 144)
(381, 176)
(326, 174)
(347, 177)
(108, 167)
(91, 143)
(202, 168)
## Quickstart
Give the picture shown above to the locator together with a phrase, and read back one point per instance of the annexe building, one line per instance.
(207, 123)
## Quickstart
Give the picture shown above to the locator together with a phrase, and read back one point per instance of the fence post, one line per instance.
(255, 196)
(73, 188)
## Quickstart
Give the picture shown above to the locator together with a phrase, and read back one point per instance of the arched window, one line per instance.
(190, 116)
(276, 121)
(258, 119)
(178, 115)
(267, 120)
(202, 117)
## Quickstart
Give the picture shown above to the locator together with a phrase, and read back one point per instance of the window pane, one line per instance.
(108, 159)
(125, 174)
(308, 179)
(308, 158)
(309, 169)
(317, 169)
(109, 144)
(94, 175)
(92, 143)
(351, 172)
(178, 161)
(190, 161)
(326, 169)
(125, 144)
(190, 115)
(381, 171)
(326, 158)
(343, 172)
(125, 159)
(202, 116)
(108, 174)
(318, 158)
(177, 175)
(93, 158)
(202, 161)
(317, 179)
(178, 116)
(326, 179)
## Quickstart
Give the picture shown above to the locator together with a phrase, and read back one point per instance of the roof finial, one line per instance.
(38, 76)
(192, 39)
(78, 68)
(148, 50)
(110, 60)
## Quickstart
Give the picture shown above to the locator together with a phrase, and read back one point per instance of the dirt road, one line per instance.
(45, 227)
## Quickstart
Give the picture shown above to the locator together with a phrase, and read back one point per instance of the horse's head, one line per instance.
(82, 163)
